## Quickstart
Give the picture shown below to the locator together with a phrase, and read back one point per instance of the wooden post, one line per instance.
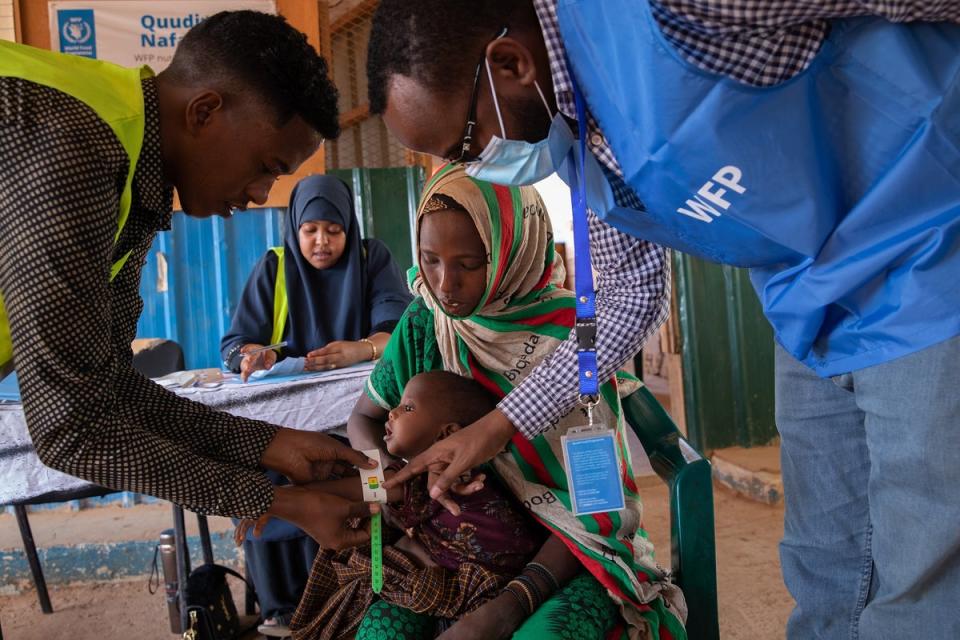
(304, 16)
(675, 380)
(34, 22)
(323, 23)
(18, 36)
(671, 344)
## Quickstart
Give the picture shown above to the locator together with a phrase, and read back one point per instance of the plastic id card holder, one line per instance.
(593, 470)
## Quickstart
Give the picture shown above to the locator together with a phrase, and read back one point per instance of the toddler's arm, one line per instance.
(350, 488)
(365, 428)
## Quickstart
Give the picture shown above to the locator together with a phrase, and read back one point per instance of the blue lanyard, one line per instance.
(583, 275)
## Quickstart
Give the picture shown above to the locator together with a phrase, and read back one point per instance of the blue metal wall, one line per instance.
(207, 261)
(207, 264)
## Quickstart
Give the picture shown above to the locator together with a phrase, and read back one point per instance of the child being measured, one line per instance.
(443, 565)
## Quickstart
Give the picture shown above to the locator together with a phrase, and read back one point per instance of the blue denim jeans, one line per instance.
(871, 475)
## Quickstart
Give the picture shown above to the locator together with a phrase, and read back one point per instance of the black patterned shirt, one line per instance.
(88, 411)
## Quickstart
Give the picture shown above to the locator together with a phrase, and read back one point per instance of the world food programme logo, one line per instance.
(78, 32)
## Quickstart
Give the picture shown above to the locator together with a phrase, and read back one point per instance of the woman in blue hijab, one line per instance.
(343, 295)
(335, 302)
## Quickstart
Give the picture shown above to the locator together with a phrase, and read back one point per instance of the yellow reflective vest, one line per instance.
(279, 299)
(112, 92)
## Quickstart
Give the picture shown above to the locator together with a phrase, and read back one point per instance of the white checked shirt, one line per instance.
(756, 42)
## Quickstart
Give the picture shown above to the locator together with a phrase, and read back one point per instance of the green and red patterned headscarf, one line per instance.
(523, 313)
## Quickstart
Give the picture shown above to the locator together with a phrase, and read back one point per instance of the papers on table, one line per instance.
(287, 370)
(201, 378)
(286, 367)
(279, 373)
(10, 389)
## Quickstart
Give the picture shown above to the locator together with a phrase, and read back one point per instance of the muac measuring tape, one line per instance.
(373, 491)
(376, 553)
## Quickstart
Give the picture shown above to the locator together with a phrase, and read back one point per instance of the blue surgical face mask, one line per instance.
(517, 162)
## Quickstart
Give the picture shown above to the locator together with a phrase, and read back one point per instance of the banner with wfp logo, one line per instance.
(133, 33)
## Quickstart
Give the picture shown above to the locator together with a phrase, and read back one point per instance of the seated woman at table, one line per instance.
(332, 297)
(489, 307)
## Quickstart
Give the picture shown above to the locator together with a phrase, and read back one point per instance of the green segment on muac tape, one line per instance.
(376, 553)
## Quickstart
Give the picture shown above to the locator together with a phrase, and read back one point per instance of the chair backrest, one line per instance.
(159, 358)
(687, 474)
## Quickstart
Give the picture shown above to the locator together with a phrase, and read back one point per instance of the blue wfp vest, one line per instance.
(839, 188)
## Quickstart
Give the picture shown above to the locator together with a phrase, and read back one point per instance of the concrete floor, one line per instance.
(754, 604)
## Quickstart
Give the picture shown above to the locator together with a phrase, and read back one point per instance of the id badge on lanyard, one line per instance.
(589, 452)
(593, 469)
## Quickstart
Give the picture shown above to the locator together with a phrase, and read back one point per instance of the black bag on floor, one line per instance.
(211, 612)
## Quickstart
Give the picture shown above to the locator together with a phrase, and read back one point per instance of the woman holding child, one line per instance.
(489, 308)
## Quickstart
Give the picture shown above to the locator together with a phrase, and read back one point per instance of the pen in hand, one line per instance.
(278, 345)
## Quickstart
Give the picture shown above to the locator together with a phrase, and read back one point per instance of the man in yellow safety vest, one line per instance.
(91, 154)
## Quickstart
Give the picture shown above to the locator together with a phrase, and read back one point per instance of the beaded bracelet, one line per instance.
(527, 591)
(534, 589)
(231, 355)
(544, 573)
(521, 600)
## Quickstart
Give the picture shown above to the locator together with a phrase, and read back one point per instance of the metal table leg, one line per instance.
(205, 539)
(30, 548)
(183, 562)
(249, 597)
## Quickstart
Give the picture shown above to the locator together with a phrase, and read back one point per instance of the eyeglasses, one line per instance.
(472, 114)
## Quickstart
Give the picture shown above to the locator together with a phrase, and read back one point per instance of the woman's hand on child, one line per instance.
(452, 457)
(304, 456)
(257, 361)
(337, 355)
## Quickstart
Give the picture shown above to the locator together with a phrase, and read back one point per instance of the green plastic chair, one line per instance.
(687, 474)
